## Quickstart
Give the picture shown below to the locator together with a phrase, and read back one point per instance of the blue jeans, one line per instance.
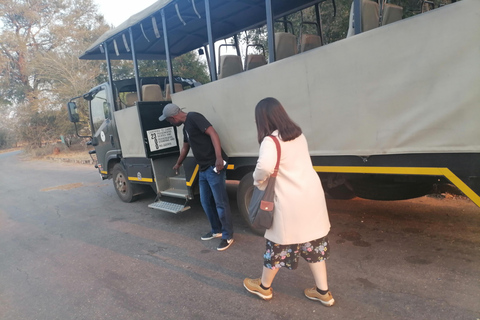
(214, 199)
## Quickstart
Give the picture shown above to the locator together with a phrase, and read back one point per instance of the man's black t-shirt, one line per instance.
(194, 134)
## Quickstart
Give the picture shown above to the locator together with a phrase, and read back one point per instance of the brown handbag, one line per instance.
(261, 206)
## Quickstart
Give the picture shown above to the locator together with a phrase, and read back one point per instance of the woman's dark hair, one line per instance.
(270, 116)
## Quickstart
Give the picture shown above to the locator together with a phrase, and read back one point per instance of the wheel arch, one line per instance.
(239, 172)
(111, 163)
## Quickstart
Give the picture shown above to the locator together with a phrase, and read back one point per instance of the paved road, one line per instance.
(69, 249)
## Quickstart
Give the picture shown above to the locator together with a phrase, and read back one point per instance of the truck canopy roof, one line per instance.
(187, 26)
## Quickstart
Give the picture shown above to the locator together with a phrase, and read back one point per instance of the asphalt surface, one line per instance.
(70, 249)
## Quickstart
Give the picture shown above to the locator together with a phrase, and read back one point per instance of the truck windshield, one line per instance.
(99, 109)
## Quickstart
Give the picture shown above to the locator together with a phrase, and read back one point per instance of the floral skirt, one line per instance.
(279, 255)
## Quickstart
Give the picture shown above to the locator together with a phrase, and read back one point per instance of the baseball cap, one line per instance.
(169, 111)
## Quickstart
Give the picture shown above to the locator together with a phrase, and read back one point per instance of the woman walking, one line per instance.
(300, 223)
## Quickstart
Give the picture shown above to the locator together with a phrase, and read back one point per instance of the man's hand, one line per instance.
(219, 165)
(176, 167)
(183, 154)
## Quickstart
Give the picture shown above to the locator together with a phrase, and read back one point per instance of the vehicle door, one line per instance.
(105, 137)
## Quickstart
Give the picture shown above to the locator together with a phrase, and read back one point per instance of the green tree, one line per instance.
(37, 72)
(7, 139)
(334, 20)
(190, 66)
(186, 66)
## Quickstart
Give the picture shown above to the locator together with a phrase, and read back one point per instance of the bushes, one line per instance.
(7, 139)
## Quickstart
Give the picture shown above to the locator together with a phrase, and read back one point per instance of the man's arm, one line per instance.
(218, 148)
(183, 154)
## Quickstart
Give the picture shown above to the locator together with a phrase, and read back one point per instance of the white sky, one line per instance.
(116, 12)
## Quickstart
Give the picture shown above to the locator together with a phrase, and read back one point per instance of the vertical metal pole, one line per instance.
(109, 67)
(235, 38)
(167, 52)
(110, 77)
(135, 65)
(211, 45)
(357, 16)
(270, 31)
(319, 23)
(380, 12)
(285, 25)
(205, 48)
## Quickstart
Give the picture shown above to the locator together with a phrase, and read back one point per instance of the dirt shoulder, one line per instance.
(9, 150)
(73, 155)
(81, 157)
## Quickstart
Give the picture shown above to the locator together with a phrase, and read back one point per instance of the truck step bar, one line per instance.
(177, 188)
(178, 182)
(169, 206)
(175, 193)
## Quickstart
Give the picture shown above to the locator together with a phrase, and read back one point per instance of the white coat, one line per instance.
(300, 213)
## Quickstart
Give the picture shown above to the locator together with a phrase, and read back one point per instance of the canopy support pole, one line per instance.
(270, 31)
(357, 16)
(211, 45)
(109, 68)
(167, 52)
(135, 65)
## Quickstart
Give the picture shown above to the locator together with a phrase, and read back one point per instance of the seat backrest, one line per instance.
(230, 64)
(178, 87)
(391, 13)
(131, 98)
(309, 41)
(152, 92)
(285, 45)
(370, 15)
(254, 61)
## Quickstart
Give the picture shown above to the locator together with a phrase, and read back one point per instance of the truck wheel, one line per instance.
(244, 194)
(123, 187)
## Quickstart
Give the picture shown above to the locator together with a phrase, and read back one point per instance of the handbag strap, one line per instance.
(279, 153)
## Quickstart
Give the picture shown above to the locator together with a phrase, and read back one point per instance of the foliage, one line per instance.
(35, 34)
(334, 21)
(39, 69)
(333, 27)
(36, 127)
(186, 66)
(190, 66)
(6, 140)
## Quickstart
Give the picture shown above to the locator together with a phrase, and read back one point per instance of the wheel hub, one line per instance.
(121, 183)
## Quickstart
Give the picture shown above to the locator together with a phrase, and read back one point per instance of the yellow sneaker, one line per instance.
(253, 286)
(325, 299)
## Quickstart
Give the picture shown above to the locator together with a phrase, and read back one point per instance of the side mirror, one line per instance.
(94, 141)
(73, 115)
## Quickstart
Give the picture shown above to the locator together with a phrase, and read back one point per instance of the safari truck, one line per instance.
(388, 112)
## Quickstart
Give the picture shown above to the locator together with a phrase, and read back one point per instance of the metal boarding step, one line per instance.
(178, 188)
(178, 182)
(169, 206)
(177, 192)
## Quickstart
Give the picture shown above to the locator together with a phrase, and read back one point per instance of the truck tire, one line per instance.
(124, 188)
(244, 194)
